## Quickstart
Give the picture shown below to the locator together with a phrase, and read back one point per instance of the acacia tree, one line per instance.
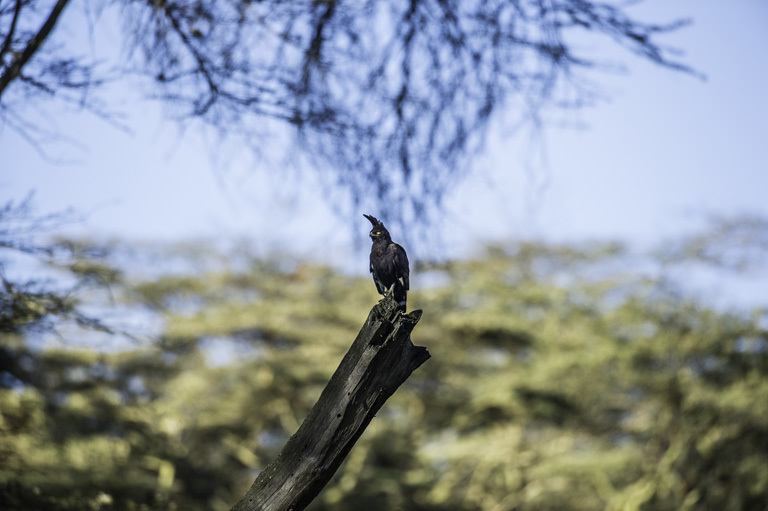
(390, 98)
(62, 272)
(578, 377)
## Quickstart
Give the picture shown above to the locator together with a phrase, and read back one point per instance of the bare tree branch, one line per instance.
(11, 31)
(17, 64)
(390, 100)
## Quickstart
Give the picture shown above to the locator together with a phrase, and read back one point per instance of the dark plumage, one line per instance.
(389, 264)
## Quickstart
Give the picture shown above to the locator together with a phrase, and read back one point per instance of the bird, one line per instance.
(389, 264)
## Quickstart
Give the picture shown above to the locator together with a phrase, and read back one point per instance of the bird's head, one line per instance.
(378, 231)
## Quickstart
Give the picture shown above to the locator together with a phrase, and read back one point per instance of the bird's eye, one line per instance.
(377, 232)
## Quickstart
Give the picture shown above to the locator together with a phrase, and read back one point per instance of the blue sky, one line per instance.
(664, 152)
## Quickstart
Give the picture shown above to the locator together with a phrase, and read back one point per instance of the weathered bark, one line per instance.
(379, 361)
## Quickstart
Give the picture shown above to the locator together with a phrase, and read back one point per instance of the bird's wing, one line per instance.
(400, 260)
(379, 286)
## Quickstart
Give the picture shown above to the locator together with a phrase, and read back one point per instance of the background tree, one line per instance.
(563, 376)
(388, 98)
(43, 302)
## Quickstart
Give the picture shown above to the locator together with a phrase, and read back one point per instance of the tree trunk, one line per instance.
(379, 361)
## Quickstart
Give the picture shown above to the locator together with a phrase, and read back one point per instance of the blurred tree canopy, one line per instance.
(389, 98)
(562, 377)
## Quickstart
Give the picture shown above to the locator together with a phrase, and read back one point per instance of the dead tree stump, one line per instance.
(379, 361)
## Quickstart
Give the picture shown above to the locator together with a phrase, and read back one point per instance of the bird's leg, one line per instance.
(390, 293)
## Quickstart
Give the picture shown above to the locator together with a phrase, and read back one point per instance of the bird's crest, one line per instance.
(374, 221)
